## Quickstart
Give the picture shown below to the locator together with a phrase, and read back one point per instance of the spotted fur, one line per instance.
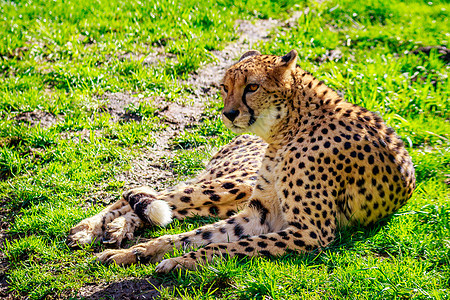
(326, 164)
(221, 190)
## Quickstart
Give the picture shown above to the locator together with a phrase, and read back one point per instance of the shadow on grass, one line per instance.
(346, 239)
(126, 289)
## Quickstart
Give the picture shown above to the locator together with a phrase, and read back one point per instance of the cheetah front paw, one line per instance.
(120, 257)
(84, 233)
(149, 252)
(176, 263)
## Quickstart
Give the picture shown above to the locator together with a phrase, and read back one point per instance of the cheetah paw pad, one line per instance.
(119, 257)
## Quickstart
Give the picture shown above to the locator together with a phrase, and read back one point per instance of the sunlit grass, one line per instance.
(62, 58)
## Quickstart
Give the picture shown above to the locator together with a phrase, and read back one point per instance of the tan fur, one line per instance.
(327, 163)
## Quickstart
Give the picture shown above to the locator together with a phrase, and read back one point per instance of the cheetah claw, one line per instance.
(82, 234)
(120, 257)
(168, 265)
(173, 264)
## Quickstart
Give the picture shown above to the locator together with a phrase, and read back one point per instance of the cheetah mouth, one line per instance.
(237, 129)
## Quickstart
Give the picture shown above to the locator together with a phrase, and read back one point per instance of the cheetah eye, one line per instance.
(252, 87)
(224, 88)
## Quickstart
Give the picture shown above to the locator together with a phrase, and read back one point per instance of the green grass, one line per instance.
(64, 57)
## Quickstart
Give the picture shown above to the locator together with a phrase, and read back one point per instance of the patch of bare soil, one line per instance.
(158, 56)
(18, 53)
(443, 52)
(206, 80)
(149, 169)
(330, 55)
(35, 117)
(117, 106)
(132, 289)
(180, 115)
(4, 286)
(81, 136)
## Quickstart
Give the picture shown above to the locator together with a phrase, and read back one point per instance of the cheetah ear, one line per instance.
(248, 54)
(289, 59)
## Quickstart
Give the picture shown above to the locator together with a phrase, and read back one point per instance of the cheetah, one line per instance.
(320, 163)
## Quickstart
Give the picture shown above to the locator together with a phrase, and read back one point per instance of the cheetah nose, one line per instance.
(231, 114)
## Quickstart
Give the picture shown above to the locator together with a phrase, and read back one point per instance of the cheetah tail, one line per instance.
(156, 212)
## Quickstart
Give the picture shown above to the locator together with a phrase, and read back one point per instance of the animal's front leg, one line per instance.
(304, 231)
(246, 223)
(95, 227)
(152, 251)
(294, 238)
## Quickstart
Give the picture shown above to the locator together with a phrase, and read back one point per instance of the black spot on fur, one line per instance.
(228, 185)
(262, 210)
(238, 230)
(206, 235)
(280, 245)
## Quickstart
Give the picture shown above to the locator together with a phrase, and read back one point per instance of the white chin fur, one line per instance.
(159, 213)
(264, 122)
(238, 130)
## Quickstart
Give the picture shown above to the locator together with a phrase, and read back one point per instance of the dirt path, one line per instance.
(206, 79)
(149, 169)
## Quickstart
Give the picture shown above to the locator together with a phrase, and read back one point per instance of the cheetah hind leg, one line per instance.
(145, 208)
(118, 221)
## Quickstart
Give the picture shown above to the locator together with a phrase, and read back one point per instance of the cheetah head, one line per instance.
(255, 92)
